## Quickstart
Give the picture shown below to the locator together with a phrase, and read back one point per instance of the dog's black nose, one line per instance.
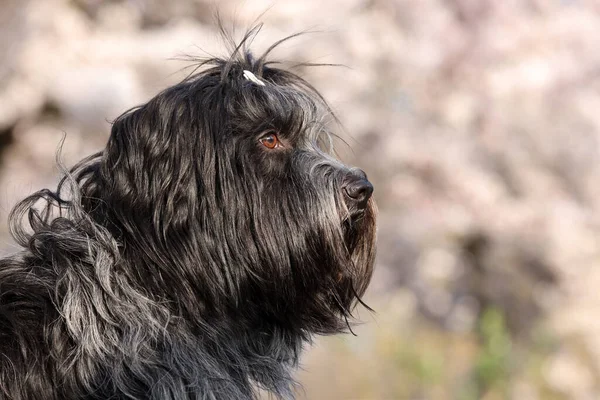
(358, 190)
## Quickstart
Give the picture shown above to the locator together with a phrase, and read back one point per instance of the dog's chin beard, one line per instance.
(351, 234)
(347, 292)
(351, 227)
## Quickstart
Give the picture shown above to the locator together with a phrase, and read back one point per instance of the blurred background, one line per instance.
(477, 120)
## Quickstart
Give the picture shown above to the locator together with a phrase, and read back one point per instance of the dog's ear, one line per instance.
(148, 167)
(157, 202)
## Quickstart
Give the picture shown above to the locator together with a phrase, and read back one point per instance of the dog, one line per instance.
(195, 255)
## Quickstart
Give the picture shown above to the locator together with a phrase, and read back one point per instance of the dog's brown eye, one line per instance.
(270, 141)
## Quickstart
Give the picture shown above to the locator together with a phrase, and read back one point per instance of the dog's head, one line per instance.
(226, 198)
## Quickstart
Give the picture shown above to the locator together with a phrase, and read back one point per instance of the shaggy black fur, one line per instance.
(195, 255)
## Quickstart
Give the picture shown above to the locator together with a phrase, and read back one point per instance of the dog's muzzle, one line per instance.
(357, 191)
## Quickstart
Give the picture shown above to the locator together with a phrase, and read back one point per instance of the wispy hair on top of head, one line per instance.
(239, 51)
